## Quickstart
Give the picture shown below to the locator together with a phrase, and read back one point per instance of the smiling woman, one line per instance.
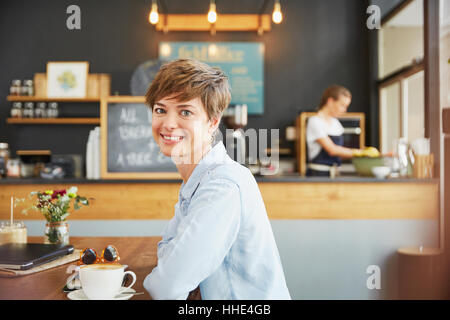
(220, 239)
(182, 131)
(187, 105)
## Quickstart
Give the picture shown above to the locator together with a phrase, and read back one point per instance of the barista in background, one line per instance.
(324, 133)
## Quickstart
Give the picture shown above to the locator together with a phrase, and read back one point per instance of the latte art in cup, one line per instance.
(104, 281)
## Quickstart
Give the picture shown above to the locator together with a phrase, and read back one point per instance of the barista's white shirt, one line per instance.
(317, 128)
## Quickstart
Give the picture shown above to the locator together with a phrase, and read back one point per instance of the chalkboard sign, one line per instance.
(127, 144)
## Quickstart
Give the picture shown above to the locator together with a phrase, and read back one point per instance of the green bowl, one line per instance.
(364, 165)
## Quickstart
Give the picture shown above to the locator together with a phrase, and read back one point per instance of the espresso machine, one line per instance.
(235, 119)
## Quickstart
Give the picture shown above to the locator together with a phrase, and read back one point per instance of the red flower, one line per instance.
(58, 192)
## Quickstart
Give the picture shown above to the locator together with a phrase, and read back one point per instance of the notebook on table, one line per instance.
(24, 256)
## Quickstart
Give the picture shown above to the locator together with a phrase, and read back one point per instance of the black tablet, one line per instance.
(23, 256)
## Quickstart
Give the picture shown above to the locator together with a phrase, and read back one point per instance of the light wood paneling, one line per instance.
(351, 200)
(111, 201)
(332, 200)
(225, 22)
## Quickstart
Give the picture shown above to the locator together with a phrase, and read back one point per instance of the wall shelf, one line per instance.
(46, 99)
(92, 121)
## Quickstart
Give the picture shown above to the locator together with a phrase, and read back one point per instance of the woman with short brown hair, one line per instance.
(220, 239)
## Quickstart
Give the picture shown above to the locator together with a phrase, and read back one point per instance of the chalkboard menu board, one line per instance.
(128, 147)
(242, 62)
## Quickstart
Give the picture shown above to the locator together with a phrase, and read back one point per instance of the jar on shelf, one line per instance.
(15, 88)
(40, 111)
(52, 110)
(16, 110)
(27, 88)
(13, 167)
(26, 170)
(28, 111)
(4, 157)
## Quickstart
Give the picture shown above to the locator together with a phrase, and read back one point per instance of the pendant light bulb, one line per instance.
(212, 15)
(154, 16)
(277, 16)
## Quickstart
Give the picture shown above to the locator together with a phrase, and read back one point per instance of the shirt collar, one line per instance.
(217, 155)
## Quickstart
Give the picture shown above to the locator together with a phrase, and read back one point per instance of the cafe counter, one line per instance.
(327, 231)
(286, 197)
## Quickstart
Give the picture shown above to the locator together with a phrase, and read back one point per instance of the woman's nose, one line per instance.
(170, 121)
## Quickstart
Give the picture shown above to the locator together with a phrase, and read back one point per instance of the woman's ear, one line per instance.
(214, 123)
(330, 100)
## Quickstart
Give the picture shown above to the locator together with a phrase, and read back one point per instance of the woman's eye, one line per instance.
(159, 110)
(185, 113)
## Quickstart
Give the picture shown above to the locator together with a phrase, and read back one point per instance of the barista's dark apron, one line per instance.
(323, 158)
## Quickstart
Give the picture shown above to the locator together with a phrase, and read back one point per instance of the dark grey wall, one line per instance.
(319, 43)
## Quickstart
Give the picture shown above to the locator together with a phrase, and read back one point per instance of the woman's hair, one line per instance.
(334, 92)
(188, 79)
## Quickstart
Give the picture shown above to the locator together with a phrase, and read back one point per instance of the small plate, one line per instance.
(79, 295)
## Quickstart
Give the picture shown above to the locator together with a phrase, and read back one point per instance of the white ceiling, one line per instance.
(410, 16)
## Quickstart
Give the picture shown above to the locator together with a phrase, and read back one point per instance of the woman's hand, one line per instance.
(335, 150)
(370, 152)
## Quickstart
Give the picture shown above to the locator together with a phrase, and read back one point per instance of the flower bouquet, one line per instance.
(55, 206)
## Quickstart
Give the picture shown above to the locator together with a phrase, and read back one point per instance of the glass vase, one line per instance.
(56, 232)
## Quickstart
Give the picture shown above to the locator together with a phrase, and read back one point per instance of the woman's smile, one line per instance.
(171, 139)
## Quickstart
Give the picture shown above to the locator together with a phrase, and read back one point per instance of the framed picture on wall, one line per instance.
(242, 62)
(67, 79)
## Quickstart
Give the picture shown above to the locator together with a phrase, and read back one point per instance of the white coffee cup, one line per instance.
(104, 281)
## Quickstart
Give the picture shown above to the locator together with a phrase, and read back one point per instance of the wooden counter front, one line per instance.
(303, 199)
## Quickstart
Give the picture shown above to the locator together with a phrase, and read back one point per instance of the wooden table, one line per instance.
(139, 253)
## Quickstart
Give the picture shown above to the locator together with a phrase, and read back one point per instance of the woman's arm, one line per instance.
(203, 239)
(168, 232)
(335, 150)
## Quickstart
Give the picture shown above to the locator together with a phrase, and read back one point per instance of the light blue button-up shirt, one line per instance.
(220, 238)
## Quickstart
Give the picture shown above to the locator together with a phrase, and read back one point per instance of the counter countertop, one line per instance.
(263, 179)
(285, 197)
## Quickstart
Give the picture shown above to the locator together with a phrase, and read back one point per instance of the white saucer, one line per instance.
(79, 295)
